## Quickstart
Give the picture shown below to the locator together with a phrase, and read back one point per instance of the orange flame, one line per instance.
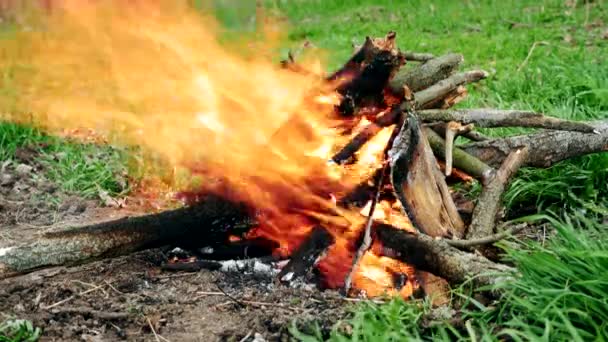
(153, 74)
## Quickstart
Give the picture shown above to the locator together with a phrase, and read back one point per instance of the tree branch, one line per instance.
(546, 148)
(503, 118)
(488, 203)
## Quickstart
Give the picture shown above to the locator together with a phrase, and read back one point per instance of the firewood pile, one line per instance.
(383, 87)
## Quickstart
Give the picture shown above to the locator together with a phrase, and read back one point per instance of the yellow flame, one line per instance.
(152, 73)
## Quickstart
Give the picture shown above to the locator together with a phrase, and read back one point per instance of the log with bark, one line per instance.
(503, 118)
(438, 257)
(209, 222)
(547, 147)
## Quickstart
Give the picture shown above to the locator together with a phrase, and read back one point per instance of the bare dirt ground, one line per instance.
(131, 298)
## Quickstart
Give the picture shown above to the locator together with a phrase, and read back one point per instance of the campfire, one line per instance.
(344, 177)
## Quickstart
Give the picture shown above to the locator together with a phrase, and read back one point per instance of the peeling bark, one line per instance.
(462, 160)
(420, 185)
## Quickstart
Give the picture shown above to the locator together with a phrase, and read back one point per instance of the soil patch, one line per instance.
(121, 298)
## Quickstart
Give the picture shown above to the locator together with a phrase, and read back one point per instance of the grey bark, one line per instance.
(503, 118)
(444, 87)
(546, 147)
(417, 56)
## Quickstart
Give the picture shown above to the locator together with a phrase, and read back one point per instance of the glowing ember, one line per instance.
(155, 75)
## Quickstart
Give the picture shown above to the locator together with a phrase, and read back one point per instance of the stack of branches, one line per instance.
(417, 101)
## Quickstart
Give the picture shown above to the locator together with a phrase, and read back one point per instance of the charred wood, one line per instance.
(367, 232)
(391, 117)
(367, 83)
(250, 248)
(368, 132)
(306, 255)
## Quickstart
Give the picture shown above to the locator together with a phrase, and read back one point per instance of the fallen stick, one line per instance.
(449, 100)
(461, 159)
(84, 311)
(210, 222)
(503, 118)
(546, 148)
(425, 75)
(444, 87)
(488, 203)
(438, 257)
(476, 136)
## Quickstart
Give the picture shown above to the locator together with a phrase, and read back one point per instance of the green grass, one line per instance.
(18, 330)
(84, 169)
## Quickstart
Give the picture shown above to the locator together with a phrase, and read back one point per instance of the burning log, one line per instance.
(546, 148)
(439, 258)
(503, 118)
(420, 185)
(306, 255)
(367, 232)
(210, 222)
(369, 70)
(437, 91)
(367, 83)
